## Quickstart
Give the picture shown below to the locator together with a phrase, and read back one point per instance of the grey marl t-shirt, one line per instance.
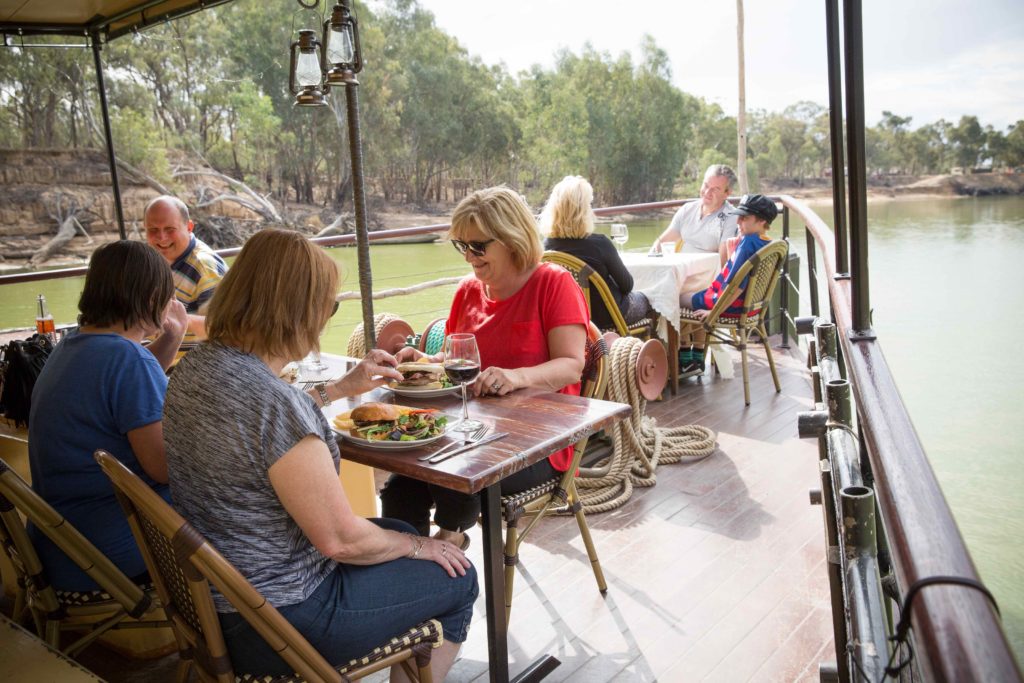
(227, 419)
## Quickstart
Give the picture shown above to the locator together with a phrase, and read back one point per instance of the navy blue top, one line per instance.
(598, 252)
(93, 390)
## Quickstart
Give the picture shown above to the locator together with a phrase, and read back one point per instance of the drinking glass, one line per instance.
(313, 363)
(462, 365)
(620, 234)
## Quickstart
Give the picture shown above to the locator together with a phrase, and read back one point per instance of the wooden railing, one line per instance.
(957, 633)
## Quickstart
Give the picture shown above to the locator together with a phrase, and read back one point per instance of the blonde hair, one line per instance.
(276, 298)
(568, 213)
(502, 214)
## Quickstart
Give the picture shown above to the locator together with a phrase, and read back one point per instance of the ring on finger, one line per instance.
(495, 386)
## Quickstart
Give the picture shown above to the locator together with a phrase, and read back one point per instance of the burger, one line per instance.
(388, 422)
(422, 376)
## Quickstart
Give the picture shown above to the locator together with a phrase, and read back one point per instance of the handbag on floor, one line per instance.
(21, 361)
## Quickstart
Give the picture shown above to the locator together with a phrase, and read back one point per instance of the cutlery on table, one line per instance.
(466, 440)
(468, 447)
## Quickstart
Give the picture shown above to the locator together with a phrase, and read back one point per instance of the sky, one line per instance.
(940, 59)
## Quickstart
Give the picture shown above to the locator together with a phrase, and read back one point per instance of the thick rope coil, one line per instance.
(356, 343)
(640, 446)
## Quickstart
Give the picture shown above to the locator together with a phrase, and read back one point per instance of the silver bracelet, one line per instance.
(417, 545)
(321, 389)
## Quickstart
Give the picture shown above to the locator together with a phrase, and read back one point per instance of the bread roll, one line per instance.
(376, 412)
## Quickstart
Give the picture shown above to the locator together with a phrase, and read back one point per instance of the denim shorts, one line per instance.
(356, 608)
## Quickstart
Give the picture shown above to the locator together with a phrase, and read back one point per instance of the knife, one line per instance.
(468, 447)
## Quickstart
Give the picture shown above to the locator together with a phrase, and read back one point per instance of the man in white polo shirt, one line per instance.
(705, 226)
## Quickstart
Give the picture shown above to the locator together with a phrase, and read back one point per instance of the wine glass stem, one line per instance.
(465, 407)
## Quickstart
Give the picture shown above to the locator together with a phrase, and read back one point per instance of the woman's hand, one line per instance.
(408, 354)
(495, 381)
(175, 319)
(375, 369)
(447, 555)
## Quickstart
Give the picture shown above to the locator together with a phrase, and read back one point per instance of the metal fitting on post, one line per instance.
(859, 532)
(805, 324)
(811, 424)
(840, 407)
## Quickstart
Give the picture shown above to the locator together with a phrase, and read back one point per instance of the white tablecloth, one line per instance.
(663, 278)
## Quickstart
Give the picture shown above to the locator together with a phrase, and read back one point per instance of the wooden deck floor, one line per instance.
(716, 573)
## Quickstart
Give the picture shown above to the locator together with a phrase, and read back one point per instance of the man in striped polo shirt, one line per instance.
(195, 266)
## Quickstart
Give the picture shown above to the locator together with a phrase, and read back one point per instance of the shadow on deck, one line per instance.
(716, 573)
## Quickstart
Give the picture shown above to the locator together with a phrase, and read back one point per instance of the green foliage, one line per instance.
(138, 143)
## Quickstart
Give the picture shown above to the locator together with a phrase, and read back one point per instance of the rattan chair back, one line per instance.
(558, 494)
(590, 281)
(733, 329)
(184, 564)
(53, 612)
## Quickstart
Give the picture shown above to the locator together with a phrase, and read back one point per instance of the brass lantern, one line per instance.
(305, 75)
(341, 45)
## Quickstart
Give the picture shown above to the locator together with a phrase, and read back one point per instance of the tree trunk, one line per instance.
(741, 115)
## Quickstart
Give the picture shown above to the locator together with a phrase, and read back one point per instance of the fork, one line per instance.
(306, 386)
(468, 439)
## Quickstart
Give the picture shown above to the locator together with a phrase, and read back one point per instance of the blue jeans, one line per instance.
(357, 608)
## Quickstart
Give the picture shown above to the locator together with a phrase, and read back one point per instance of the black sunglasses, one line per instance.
(475, 248)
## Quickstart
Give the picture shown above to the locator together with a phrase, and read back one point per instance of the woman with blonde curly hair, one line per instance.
(568, 220)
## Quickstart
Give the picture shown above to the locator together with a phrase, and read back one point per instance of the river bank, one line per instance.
(814, 191)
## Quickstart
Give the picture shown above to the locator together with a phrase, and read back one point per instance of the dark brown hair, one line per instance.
(128, 283)
(276, 298)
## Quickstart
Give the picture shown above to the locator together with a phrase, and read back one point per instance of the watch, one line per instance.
(321, 389)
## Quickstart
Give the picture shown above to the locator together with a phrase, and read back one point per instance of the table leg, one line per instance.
(494, 595)
(673, 358)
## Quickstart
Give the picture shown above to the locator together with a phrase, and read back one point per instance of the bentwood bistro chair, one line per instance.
(591, 282)
(183, 564)
(119, 604)
(558, 494)
(734, 329)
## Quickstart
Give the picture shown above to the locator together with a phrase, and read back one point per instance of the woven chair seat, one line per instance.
(520, 499)
(723, 319)
(91, 598)
(427, 632)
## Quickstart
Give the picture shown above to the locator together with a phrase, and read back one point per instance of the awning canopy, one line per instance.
(109, 18)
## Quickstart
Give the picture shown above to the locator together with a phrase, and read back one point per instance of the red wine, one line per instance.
(462, 371)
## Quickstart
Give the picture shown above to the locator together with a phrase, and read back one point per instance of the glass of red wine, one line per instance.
(462, 365)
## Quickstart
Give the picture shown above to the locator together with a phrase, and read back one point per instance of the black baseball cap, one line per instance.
(756, 205)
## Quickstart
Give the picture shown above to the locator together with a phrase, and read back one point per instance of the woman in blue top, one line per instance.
(101, 389)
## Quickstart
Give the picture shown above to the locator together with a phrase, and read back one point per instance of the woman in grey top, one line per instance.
(254, 467)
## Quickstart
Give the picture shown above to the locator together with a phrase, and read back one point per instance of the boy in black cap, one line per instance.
(756, 212)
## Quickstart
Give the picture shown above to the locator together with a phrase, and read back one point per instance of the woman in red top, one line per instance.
(530, 321)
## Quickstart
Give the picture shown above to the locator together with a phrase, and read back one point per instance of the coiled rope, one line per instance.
(357, 343)
(640, 446)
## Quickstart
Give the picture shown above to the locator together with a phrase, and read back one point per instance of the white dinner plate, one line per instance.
(411, 392)
(392, 445)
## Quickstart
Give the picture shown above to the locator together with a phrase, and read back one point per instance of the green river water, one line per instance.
(945, 312)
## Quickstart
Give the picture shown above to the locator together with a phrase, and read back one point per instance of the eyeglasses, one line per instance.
(475, 248)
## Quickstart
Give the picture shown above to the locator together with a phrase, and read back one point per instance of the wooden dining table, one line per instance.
(538, 424)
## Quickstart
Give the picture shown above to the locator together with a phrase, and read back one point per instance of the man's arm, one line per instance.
(197, 326)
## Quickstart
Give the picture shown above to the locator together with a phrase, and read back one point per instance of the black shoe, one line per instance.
(693, 367)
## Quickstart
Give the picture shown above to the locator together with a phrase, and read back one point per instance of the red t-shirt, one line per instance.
(513, 333)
